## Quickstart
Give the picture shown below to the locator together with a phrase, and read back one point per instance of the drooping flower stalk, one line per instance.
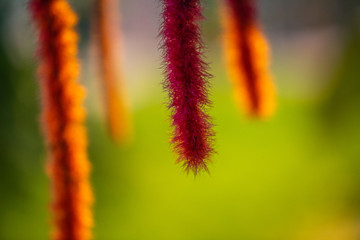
(246, 52)
(107, 38)
(63, 119)
(187, 83)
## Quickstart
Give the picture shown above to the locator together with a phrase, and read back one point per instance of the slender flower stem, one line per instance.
(187, 83)
(63, 119)
(117, 112)
(246, 51)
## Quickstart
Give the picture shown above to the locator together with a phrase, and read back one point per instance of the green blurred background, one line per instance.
(295, 176)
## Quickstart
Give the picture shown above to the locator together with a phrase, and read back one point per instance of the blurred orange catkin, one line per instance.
(107, 40)
(247, 60)
(63, 119)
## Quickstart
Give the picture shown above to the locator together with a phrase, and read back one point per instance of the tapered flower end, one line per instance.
(118, 118)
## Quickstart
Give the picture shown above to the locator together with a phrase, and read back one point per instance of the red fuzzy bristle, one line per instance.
(187, 83)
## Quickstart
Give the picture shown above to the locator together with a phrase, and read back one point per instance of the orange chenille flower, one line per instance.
(246, 51)
(63, 119)
(117, 112)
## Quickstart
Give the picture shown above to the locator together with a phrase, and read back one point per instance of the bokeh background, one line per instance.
(295, 176)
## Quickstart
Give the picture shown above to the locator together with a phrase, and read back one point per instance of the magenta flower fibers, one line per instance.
(187, 82)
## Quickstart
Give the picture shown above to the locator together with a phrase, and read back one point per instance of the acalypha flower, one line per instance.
(63, 119)
(246, 52)
(117, 112)
(187, 83)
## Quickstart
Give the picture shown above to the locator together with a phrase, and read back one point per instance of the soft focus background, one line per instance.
(295, 176)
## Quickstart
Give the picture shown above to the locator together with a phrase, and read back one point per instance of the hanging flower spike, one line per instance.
(63, 119)
(117, 112)
(246, 51)
(187, 83)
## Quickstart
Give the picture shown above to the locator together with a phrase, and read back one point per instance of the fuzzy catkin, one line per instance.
(247, 54)
(115, 102)
(63, 119)
(187, 83)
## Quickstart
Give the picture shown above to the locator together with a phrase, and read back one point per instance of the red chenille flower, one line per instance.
(187, 83)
